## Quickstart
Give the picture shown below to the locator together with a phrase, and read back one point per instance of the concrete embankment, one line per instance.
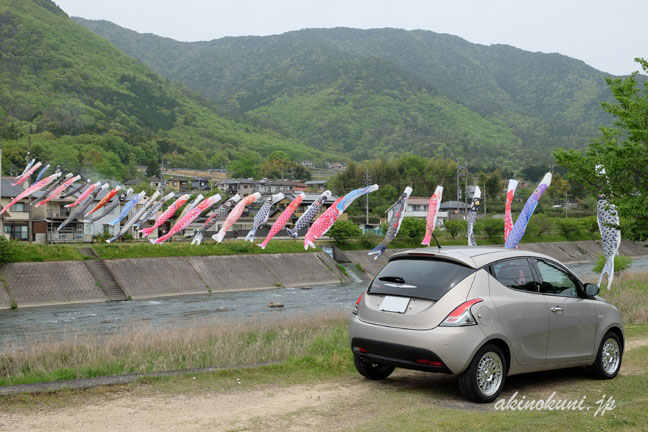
(566, 252)
(39, 284)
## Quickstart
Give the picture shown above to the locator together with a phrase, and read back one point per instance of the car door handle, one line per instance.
(557, 309)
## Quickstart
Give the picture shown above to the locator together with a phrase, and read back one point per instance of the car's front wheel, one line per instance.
(484, 379)
(372, 370)
(608, 358)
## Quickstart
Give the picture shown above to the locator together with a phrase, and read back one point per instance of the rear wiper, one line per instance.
(396, 279)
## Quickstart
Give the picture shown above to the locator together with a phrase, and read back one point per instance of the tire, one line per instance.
(608, 358)
(372, 370)
(484, 379)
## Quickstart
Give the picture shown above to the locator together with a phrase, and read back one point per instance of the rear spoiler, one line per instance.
(440, 255)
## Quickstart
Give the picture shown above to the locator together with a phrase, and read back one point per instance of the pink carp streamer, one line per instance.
(24, 176)
(508, 217)
(433, 211)
(30, 190)
(66, 184)
(234, 215)
(166, 215)
(328, 218)
(104, 200)
(189, 217)
(84, 194)
(281, 221)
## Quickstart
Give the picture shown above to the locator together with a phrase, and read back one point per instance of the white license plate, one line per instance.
(394, 304)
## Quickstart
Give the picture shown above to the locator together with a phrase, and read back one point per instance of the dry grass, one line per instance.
(146, 349)
(629, 293)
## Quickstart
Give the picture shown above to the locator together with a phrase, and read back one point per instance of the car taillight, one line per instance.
(357, 306)
(461, 315)
(429, 362)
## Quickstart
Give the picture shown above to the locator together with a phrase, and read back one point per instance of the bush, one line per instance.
(455, 227)
(412, 229)
(5, 250)
(569, 227)
(590, 225)
(492, 227)
(342, 230)
(540, 224)
(621, 262)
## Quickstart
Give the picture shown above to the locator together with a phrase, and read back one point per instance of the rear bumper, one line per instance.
(453, 347)
(401, 356)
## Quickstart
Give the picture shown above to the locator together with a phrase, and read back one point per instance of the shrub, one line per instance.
(412, 228)
(492, 227)
(590, 225)
(621, 262)
(569, 227)
(540, 224)
(5, 250)
(455, 227)
(343, 230)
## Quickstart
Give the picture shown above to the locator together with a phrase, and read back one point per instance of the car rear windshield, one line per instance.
(423, 278)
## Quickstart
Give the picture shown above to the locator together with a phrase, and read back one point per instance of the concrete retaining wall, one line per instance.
(156, 277)
(582, 251)
(45, 283)
(5, 301)
(566, 252)
(35, 284)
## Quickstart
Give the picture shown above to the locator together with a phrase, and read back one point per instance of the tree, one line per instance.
(494, 185)
(342, 230)
(412, 228)
(540, 224)
(153, 169)
(622, 150)
(454, 227)
(492, 227)
(244, 167)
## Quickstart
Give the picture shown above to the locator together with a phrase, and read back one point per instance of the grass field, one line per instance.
(221, 343)
(25, 252)
(314, 385)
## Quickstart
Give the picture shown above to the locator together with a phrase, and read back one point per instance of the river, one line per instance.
(54, 322)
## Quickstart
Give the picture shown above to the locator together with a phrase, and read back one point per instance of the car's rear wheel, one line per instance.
(608, 358)
(484, 379)
(372, 370)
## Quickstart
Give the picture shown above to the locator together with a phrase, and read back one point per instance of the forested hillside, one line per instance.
(385, 91)
(93, 109)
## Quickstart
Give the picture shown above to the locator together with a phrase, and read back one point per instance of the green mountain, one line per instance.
(385, 91)
(93, 109)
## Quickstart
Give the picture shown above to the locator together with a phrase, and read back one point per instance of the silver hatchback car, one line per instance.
(482, 314)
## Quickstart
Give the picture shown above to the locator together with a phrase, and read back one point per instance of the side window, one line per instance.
(515, 273)
(556, 280)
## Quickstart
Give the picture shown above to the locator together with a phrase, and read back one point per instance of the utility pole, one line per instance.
(565, 204)
(29, 223)
(367, 195)
(162, 176)
(484, 199)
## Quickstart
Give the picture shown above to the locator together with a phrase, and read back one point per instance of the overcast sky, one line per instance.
(605, 34)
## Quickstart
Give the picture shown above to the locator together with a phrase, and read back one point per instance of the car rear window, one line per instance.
(425, 278)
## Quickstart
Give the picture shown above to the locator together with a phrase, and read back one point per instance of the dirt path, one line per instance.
(331, 405)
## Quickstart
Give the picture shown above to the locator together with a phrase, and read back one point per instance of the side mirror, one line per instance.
(591, 289)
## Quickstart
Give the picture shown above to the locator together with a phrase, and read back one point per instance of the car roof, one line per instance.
(472, 256)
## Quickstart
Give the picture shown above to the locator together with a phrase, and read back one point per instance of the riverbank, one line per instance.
(30, 284)
(567, 252)
(209, 269)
